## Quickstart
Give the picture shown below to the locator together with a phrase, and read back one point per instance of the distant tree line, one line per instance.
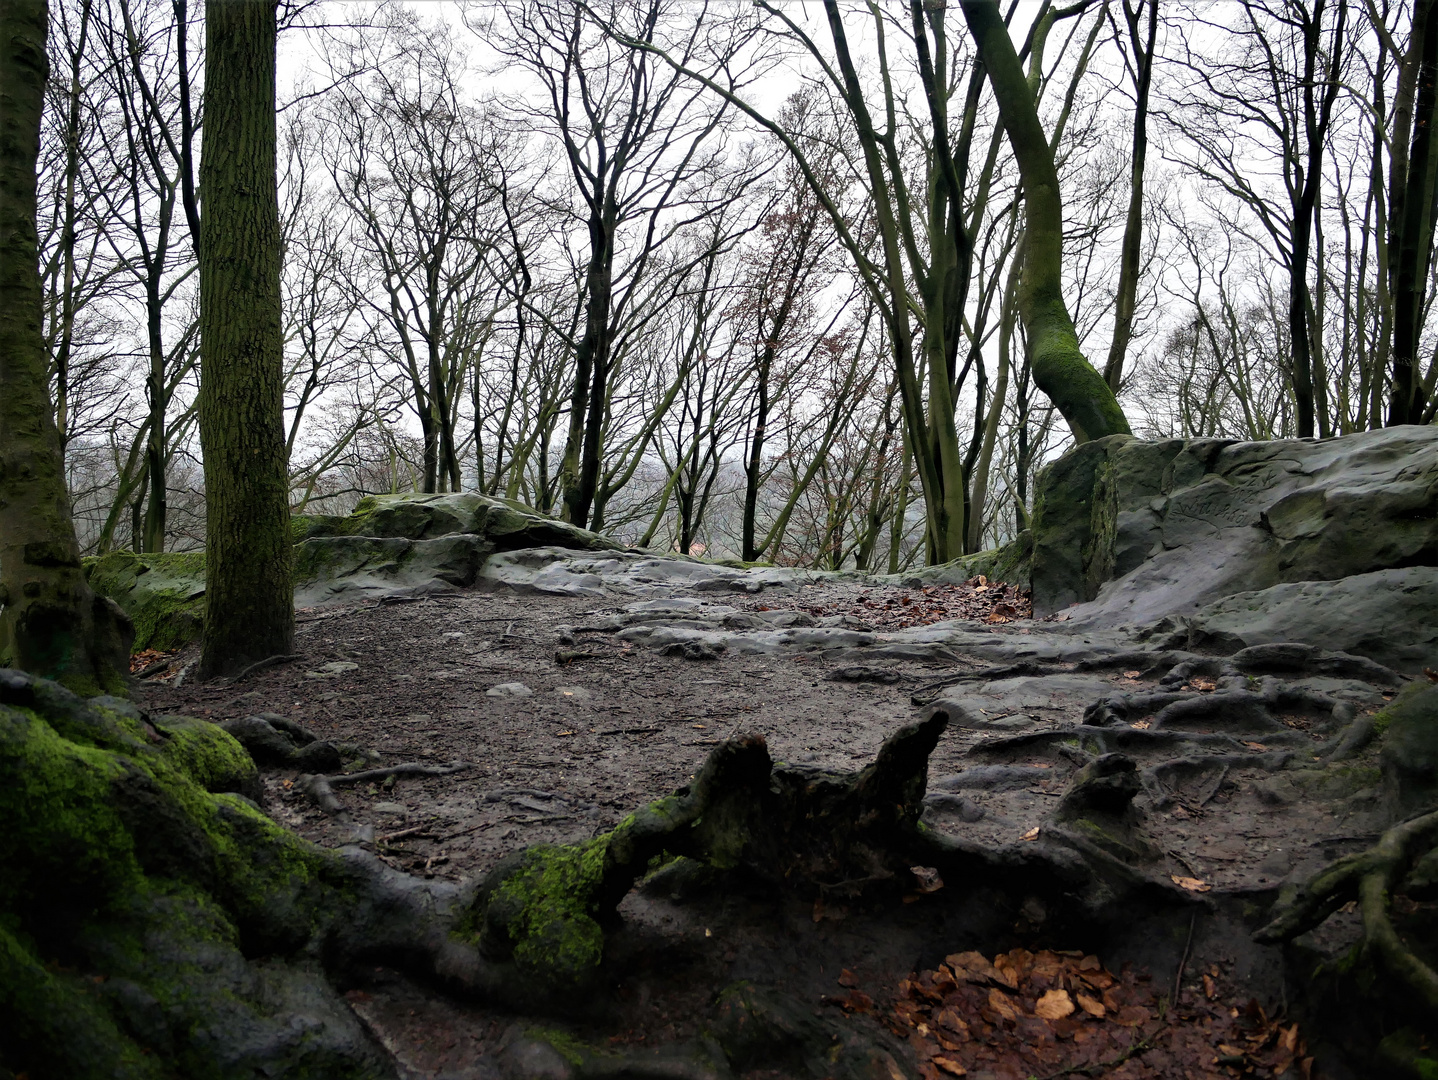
(586, 255)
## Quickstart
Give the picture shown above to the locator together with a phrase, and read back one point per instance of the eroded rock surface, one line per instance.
(1333, 542)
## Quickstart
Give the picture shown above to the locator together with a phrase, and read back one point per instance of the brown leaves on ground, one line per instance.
(1051, 1014)
(149, 661)
(885, 608)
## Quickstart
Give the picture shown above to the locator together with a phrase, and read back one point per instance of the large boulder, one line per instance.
(504, 523)
(1134, 531)
(162, 593)
(390, 544)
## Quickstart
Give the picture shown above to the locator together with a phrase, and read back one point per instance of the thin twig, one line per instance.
(1183, 961)
(408, 769)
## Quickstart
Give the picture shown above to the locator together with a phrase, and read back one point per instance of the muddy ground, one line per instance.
(601, 724)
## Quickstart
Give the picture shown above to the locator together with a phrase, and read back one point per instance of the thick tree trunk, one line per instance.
(1059, 366)
(249, 596)
(50, 621)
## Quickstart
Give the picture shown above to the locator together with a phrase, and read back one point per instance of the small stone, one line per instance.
(574, 693)
(397, 809)
(509, 689)
(418, 718)
(332, 669)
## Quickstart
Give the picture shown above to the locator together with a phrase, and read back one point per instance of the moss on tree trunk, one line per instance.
(1060, 369)
(249, 614)
(50, 621)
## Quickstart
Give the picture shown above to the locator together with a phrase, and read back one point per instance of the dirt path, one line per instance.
(570, 714)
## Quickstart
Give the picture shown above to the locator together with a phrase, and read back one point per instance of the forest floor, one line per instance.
(567, 728)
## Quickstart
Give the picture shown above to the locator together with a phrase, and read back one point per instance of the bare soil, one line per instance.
(607, 726)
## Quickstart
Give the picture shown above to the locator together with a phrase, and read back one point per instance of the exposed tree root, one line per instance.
(1369, 877)
(320, 789)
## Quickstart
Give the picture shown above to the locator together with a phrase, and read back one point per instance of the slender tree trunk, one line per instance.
(579, 469)
(1131, 253)
(754, 464)
(67, 238)
(1059, 367)
(158, 398)
(50, 622)
(249, 594)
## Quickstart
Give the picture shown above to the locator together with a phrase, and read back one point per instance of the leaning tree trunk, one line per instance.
(1059, 366)
(50, 621)
(249, 605)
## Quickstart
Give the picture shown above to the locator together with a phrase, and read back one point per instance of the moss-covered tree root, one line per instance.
(1405, 854)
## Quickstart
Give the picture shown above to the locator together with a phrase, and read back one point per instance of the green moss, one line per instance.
(208, 754)
(552, 925)
(62, 1017)
(568, 1047)
(127, 890)
(63, 837)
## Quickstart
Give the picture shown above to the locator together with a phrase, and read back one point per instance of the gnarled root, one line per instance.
(1369, 877)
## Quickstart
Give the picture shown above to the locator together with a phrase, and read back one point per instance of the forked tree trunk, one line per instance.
(50, 622)
(249, 595)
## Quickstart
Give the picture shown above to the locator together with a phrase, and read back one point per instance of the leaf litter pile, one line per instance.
(898, 609)
(1051, 1014)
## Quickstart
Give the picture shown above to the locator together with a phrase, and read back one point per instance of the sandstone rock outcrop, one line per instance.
(1332, 542)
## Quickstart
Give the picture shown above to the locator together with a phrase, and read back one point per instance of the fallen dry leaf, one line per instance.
(1132, 1016)
(1191, 884)
(1000, 1003)
(1141, 725)
(1056, 1004)
(1255, 746)
(928, 879)
(950, 1066)
(1032, 834)
(1210, 988)
(1092, 1006)
(847, 979)
(949, 1018)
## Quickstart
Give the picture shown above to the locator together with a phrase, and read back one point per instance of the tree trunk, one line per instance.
(580, 468)
(1132, 251)
(249, 595)
(1413, 220)
(1060, 369)
(50, 621)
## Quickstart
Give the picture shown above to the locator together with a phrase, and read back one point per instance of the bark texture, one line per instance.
(249, 611)
(1060, 369)
(51, 623)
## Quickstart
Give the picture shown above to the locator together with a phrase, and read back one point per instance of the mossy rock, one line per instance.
(163, 593)
(149, 925)
(1410, 749)
(507, 524)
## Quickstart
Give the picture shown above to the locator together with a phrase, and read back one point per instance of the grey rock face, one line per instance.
(1136, 530)
(1329, 542)
(1387, 616)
